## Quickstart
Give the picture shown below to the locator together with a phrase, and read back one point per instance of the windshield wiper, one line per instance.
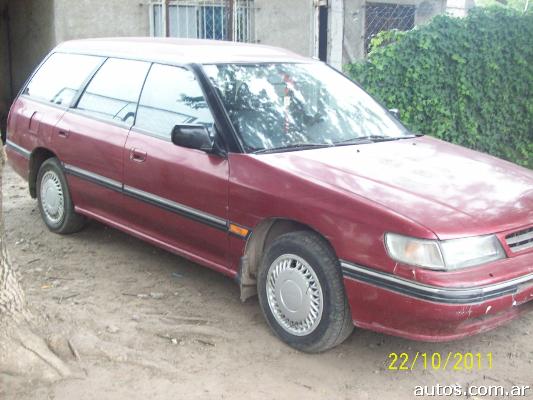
(371, 139)
(357, 140)
(292, 147)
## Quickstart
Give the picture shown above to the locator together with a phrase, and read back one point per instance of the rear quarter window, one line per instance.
(60, 77)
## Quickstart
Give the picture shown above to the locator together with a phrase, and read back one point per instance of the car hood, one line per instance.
(449, 189)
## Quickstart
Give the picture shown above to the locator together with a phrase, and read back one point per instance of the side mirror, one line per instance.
(395, 112)
(192, 136)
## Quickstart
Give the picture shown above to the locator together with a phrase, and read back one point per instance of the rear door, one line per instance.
(45, 99)
(178, 196)
(90, 137)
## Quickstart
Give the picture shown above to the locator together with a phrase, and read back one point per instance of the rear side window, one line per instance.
(171, 96)
(114, 91)
(60, 77)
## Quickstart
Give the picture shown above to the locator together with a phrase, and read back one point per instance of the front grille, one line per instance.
(520, 240)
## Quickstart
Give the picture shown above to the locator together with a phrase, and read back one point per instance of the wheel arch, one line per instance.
(37, 157)
(262, 235)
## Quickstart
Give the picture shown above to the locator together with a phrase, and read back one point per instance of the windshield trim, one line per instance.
(232, 142)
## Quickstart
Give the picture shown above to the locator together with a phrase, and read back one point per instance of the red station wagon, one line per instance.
(283, 174)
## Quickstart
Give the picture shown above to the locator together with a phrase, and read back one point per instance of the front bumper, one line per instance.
(387, 303)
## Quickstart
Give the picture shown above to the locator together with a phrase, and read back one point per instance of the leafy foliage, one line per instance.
(468, 81)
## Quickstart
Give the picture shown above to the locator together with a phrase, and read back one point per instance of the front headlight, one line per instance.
(467, 252)
(446, 254)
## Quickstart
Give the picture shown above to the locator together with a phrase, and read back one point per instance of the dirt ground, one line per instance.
(146, 324)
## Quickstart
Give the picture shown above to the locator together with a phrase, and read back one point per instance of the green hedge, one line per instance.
(468, 81)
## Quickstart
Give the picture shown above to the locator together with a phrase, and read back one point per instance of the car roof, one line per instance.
(181, 51)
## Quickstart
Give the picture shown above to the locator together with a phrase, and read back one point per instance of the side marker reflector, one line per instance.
(238, 230)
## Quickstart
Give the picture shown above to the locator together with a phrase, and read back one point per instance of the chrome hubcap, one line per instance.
(52, 198)
(294, 295)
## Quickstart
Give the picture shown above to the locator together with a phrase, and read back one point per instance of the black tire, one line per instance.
(335, 324)
(70, 221)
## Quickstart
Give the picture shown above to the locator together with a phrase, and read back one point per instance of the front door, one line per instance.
(176, 196)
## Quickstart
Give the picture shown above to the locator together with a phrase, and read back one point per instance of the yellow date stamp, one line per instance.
(437, 361)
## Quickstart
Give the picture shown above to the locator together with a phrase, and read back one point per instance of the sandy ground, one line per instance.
(147, 324)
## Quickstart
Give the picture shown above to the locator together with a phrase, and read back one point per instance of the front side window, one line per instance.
(275, 106)
(114, 91)
(171, 96)
(60, 77)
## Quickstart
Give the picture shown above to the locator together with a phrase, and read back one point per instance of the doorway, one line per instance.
(323, 33)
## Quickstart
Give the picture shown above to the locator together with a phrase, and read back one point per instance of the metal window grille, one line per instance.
(204, 19)
(383, 17)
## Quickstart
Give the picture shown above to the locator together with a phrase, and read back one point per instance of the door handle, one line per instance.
(63, 134)
(137, 155)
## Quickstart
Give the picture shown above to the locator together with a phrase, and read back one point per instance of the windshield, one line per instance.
(275, 106)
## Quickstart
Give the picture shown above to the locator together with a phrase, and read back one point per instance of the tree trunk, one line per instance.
(21, 351)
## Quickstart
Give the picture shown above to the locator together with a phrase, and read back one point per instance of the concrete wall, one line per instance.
(287, 24)
(427, 9)
(4, 56)
(32, 35)
(354, 22)
(459, 8)
(100, 18)
(292, 25)
(354, 28)
(336, 33)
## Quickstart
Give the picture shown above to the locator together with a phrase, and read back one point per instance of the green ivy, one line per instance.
(465, 80)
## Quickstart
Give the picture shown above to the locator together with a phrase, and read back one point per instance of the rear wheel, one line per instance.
(301, 292)
(55, 203)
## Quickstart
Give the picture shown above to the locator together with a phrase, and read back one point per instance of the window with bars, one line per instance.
(383, 17)
(204, 19)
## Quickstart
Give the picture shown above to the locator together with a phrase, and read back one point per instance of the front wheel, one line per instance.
(301, 292)
(55, 203)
